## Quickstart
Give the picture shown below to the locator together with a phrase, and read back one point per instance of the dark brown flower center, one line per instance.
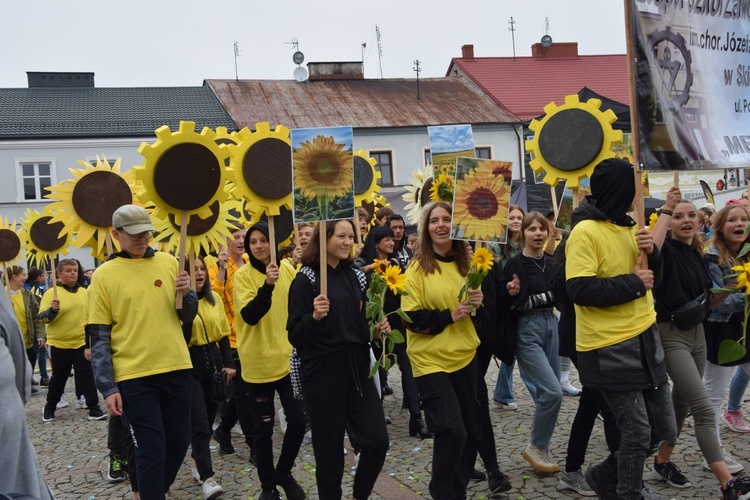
(482, 203)
(324, 168)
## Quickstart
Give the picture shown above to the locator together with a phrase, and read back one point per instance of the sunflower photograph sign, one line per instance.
(447, 143)
(481, 200)
(322, 174)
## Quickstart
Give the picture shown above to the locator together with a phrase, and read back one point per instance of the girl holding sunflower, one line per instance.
(379, 250)
(441, 344)
(333, 341)
(529, 276)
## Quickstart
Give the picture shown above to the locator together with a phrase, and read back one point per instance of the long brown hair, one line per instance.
(718, 240)
(528, 220)
(425, 254)
(506, 249)
(311, 254)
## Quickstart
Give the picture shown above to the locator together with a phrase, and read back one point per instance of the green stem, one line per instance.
(744, 321)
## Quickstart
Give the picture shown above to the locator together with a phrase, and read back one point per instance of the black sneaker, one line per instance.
(498, 481)
(477, 475)
(116, 472)
(95, 413)
(292, 489)
(48, 414)
(34, 390)
(270, 495)
(670, 474)
(44, 381)
(605, 485)
(34, 382)
(738, 488)
(225, 442)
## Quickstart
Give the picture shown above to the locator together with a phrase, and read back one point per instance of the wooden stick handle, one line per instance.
(191, 260)
(6, 278)
(676, 180)
(183, 240)
(272, 238)
(54, 277)
(323, 259)
(296, 235)
(108, 242)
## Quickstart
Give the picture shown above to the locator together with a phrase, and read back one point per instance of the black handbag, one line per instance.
(220, 389)
(691, 314)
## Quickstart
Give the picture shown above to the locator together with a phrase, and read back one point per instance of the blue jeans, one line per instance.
(646, 421)
(737, 389)
(537, 346)
(504, 385)
(158, 410)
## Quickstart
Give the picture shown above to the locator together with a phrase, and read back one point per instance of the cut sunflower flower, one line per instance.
(481, 263)
(734, 350)
(442, 189)
(383, 279)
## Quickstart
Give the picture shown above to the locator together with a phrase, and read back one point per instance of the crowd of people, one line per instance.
(641, 314)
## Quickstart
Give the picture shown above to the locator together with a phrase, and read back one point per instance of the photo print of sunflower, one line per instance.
(447, 143)
(322, 174)
(481, 200)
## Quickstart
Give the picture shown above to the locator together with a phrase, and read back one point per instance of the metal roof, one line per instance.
(358, 103)
(29, 113)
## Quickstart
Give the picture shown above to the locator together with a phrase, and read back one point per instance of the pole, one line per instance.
(181, 266)
(323, 259)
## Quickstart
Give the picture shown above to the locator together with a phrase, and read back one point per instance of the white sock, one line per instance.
(564, 376)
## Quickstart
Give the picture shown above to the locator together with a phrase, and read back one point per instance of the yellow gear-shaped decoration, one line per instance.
(366, 187)
(42, 237)
(261, 163)
(201, 233)
(11, 242)
(570, 140)
(183, 171)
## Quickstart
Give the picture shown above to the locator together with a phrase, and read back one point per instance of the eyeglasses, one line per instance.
(145, 236)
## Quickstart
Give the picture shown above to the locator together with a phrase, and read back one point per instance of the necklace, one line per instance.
(535, 259)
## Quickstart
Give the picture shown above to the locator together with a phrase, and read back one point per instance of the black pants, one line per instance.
(64, 359)
(202, 410)
(156, 408)
(262, 396)
(486, 445)
(239, 406)
(120, 444)
(452, 412)
(31, 354)
(338, 392)
(590, 404)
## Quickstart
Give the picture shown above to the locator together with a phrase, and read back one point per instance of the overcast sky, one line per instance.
(180, 43)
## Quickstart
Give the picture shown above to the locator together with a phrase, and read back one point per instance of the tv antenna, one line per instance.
(300, 73)
(380, 50)
(236, 54)
(546, 39)
(512, 29)
(417, 70)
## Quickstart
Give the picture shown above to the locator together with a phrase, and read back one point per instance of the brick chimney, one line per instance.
(467, 52)
(555, 51)
(335, 71)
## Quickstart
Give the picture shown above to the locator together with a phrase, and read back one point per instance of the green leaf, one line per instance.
(374, 369)
(389, 345)
(372, 331)
(402, 314)
(372, 310)
(397, 337)
(719, 291)
(747, 229)
(730, 351)
(744, 251)
(386, 364)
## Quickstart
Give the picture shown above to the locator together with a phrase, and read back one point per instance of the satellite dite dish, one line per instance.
(298, 57)
(546, 41)
(300, 74)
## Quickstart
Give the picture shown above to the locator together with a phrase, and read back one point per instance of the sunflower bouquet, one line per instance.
(481, 263)
(384, 277)
(733, 350)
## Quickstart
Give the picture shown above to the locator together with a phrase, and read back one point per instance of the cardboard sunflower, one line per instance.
(43, 238)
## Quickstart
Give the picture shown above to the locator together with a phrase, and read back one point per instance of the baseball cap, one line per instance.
(132, 219)
(733, 201)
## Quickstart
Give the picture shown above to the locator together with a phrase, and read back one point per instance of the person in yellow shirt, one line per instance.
(261, 296)
(26, 308)
(138, 350)
(65, 322)
(441, 344)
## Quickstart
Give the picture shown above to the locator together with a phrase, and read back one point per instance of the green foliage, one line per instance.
(375, 314)
(731, 350)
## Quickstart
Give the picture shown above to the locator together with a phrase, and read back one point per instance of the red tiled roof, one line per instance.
(525, 85)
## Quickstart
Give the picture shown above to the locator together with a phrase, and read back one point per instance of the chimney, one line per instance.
(335, 71)
(555, 51)
(467, 52)
(49, 79)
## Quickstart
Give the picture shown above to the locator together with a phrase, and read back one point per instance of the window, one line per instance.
(484, 153)
(35, 176)
(384, 166)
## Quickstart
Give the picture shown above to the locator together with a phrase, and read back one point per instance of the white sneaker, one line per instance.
(196, 475)
(569, 389)
(505, 406)
(211, 489)
(540, 459)
(63, 403)
(282, 420)
(81, 404)
(733, 465)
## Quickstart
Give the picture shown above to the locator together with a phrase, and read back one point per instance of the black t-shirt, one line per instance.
(535, 275)
(685, 278)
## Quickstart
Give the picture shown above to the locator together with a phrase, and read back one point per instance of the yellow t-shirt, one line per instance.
(454, 347)
(264, 348)
(137, 298)
(605, 250)
(66, 330)
(210, 321)
(20, 309)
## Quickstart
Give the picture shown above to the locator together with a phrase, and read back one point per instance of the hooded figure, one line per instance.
(612, 193)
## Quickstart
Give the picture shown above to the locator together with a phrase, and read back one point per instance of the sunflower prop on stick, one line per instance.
(45, 239)
(481, 200)
(10, 247)
(323, 176)
(261, 163)
(366, 187)
(183, 174)
(447, 143)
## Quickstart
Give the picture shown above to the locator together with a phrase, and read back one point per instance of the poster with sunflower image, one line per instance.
(322, 174)
(481, 200)
(447, 143)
